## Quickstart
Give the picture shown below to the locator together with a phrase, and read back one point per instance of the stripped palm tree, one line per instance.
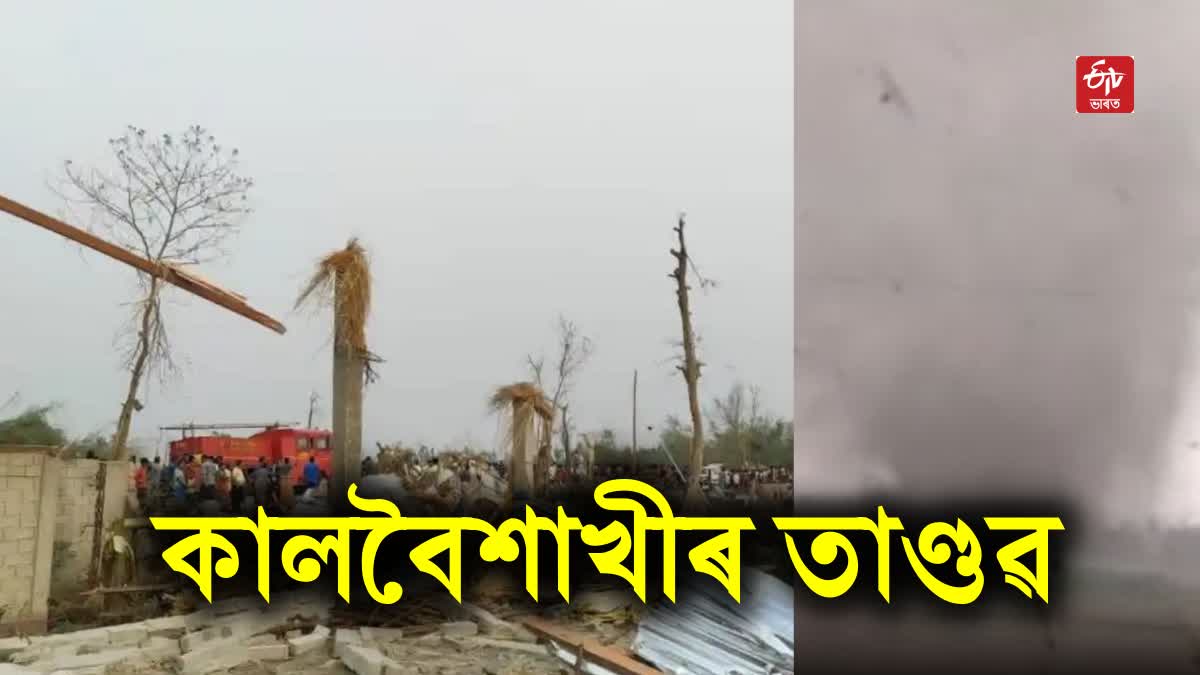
(530, 411)
(342, 280)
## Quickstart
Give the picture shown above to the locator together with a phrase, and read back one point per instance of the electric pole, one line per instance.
(635, 445)
(312, 406)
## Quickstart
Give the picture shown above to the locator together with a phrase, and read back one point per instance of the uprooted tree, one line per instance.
(574, 349)
(689, 364)
(174, 199)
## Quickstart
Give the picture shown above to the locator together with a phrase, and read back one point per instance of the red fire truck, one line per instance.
(275, 442)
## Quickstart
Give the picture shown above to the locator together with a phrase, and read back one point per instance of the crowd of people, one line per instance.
(195, 483)
(736, 479)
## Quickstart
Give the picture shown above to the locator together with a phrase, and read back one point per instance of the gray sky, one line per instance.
(501, 161)
(998, 293)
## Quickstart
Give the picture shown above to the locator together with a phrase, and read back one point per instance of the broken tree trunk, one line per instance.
(523, 430)
(541, 465)
(528, 406)
(149, 322)
(344, 279)
(565, 433)
(348, 376)
(691, 371)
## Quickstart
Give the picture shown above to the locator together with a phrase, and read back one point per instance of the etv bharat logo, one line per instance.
(1104, 84)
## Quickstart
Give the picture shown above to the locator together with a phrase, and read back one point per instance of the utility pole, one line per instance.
(312, 406)
(635, 445)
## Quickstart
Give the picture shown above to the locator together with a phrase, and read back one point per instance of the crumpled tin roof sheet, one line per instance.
(708, 633)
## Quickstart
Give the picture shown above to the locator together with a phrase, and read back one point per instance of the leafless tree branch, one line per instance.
(173, 199)
(574, 350)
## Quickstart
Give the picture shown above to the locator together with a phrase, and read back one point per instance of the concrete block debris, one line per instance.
(304, 644)
(274, 651)
(290, 639)
(364, 660)
(455, 629)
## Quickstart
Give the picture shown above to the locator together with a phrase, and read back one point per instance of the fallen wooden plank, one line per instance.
(172, 275)
(205, 282)
(607, 656)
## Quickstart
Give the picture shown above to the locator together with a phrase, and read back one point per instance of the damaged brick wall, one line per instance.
(75, 527)
(29, 479)
(87, 496)
(48, 525)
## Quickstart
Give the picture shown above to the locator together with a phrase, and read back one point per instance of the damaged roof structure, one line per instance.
(709, 633)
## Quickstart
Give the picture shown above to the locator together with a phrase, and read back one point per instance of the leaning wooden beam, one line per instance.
(169, 273)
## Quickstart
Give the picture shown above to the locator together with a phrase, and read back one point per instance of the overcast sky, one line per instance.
(502, 162)
(994, 292)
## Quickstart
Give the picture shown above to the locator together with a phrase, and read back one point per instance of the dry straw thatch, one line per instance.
(515, 395)
(342, 281)
(529, 406)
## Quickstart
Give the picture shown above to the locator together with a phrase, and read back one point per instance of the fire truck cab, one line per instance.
(273, 443)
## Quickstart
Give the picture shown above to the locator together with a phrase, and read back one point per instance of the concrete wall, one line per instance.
(48, 528)
(75, 524)
(28, 497)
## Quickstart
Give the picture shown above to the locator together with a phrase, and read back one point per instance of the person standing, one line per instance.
(140, 480)
(261, 478)
(180, 485)
(154, 480)
(208, 478)
(192, 476)
(167, 479)
(312, 474)
(237, 488)
(224, 485)
(287, 491)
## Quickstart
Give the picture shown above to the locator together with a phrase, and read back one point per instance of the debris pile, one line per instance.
(449, 647)
(301, 632)
(708, 633)
(223, 636)
(457, 478)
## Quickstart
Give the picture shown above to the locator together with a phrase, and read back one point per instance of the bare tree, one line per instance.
(735, 414)
(174, 199)
(690, 366)
(564, 434)
(16, 396)
(574, 349)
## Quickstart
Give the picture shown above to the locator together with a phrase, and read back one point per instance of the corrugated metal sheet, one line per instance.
(708, 633)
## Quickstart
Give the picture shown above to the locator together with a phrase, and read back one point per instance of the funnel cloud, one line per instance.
(994, 294)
